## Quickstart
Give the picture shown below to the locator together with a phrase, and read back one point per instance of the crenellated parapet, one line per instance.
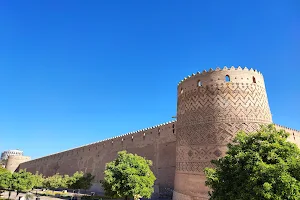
(224, 69)
(220, 77)
(287, 129)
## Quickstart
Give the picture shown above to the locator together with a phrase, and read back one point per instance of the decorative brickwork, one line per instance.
(216, 103)
(208, 117)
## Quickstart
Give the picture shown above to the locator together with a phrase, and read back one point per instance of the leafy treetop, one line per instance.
(81, 181)
(128, 175)
(5, 178)
(261, 165)
(22, 181)
(54, 182)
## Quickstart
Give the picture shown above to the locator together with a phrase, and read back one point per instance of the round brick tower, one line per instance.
(14, 161)
(212, 107)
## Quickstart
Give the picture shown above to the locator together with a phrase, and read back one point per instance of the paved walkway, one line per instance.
(14, 196)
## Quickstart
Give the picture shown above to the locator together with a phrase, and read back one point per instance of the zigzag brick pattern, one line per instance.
(209, 114)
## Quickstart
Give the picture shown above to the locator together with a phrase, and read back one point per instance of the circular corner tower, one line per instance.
(212, 107)
(14, 161)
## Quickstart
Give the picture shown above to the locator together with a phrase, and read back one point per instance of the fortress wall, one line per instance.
(294, 134)
(155, 143)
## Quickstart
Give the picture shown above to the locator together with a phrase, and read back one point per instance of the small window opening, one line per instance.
(199, 83)
(181, 91)
(227, 78)
(254, 80)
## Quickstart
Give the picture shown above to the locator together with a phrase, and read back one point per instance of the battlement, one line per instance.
(218, 69)
(287, 128)
(220, 78)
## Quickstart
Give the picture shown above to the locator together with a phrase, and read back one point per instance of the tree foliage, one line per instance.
(261, 165)
(74, 180)
(77, 181)
(128, 175)
(65, 181)
(85, 182)
(22, 181)
(25, 181)
(54, 182)
(38, 180)
(5, 178)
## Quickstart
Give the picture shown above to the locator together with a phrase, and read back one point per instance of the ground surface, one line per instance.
(14, 196)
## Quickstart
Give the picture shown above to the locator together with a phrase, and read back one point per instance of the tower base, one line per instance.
(180, 196)
(189, 186)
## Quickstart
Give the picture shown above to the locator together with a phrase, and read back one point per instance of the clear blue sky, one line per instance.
(75, 72)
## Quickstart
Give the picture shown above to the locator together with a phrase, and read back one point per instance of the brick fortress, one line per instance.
(212, 107)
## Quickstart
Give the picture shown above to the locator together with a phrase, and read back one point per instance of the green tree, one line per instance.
(54, 182)
(128, 176)
(85, 182)
(22, 181)
(261, 165)
(5, 178)
(65, 181)
(74, 180)
(38, 180)
(81, 181)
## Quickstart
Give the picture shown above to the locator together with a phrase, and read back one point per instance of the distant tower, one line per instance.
(212, 107)
(5, 154)
(14, 161)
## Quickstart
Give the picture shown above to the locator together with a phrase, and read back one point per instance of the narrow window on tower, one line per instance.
(199, 83)
(254, 80)
(227, 78)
